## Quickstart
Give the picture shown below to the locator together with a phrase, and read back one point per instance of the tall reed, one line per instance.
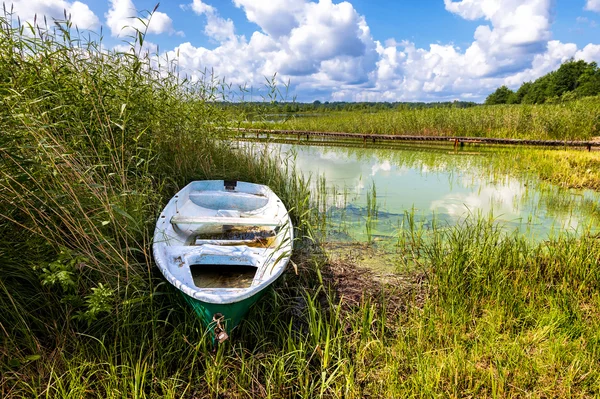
(95, 142)
(575, 120)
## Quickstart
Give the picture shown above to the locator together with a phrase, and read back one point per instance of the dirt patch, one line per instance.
(356, 285)
(351, 283)
(360, 272)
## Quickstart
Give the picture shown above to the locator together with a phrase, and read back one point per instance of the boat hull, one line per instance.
(233, 313)
(222, 244)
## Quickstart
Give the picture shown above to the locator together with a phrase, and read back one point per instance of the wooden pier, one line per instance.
(457, 141)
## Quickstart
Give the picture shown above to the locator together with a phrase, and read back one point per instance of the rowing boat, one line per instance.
(222, 243)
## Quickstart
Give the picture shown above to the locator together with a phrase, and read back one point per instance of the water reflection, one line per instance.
(434, 184)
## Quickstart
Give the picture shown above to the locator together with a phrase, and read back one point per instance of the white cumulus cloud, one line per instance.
(327, 51)
(593, 5)
(80, 14)
(216, 27)
(315, 44)
(519, 30)
(123, 20)
(589, 53)
(275, 17)
(512, 45)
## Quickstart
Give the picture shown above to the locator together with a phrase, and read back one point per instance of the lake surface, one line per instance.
(368, 192)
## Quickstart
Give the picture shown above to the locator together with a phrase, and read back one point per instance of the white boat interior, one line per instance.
(222, 242)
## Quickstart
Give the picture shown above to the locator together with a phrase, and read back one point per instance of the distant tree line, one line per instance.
(574, 79)
(318, 106)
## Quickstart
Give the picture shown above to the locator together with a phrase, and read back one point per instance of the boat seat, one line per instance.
(200, 241)
(239, 201)
(225, 221)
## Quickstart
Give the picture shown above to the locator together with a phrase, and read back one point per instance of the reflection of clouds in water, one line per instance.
(502, 200)
(507, 200)
(384, 166)
(470, 179)
(568, 223)
(450, 185)
(441, 167)
(359, 186)
(331, 156)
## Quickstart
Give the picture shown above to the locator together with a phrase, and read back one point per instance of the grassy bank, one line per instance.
(94, 143)
(565, 168)
(575, 120)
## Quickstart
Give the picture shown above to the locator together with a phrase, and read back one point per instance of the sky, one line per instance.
(355, 50)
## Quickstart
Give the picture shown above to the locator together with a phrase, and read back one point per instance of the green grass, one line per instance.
(94, 143)
(575, 120)
(506, 317)
(574, 169)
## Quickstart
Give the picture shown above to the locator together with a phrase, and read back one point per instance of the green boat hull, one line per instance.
(233, 312)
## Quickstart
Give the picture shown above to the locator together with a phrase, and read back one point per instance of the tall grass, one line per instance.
(506, 317)
(94, 143)
(576, 120)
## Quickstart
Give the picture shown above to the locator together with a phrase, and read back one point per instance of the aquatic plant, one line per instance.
(371, 212)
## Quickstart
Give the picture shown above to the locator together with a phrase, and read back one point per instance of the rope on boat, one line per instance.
(397, 137)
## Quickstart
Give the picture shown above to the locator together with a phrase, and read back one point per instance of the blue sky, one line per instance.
(356, 50)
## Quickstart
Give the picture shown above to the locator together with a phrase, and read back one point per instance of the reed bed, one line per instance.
(574, 120)
(95, 142)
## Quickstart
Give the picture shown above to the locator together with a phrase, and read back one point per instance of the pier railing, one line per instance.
(456, 140)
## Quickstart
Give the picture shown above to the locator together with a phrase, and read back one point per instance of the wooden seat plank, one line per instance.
(225, 221)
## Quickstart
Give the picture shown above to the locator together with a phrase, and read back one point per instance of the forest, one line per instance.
(290, 107)
(574, 79)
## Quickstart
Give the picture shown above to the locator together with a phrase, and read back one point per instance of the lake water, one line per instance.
(367, 192)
